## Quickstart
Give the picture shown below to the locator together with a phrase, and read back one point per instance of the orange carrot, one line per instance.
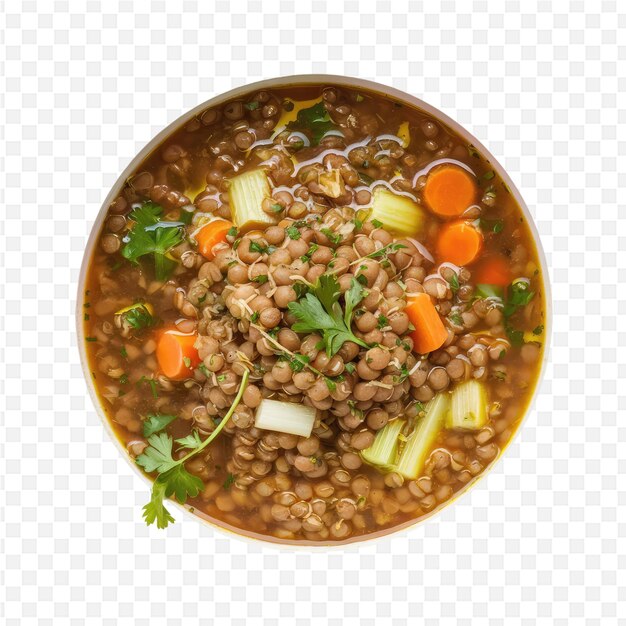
(176, 354)
(210, 235)
(429, 333)
(459, 243)
(449, 190)
(493, 270)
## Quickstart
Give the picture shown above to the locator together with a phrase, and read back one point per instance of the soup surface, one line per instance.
(314, 314)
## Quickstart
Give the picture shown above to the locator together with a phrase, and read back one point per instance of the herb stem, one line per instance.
(225, 419)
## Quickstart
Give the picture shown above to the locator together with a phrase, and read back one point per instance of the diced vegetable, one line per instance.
(459, 243)
(383, 452)
(246, 193)
(210, 235)
(429, 333)
(404, 134)
(450, 190)
(285, 417)
(468, 406)
(398, 214)
(420, 441)
(176, 354)
(493, 270)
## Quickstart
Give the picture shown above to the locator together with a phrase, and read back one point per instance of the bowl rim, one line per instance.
(401, 530)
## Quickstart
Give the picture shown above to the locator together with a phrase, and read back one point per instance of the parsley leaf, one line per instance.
(191, 441)
(139, 317)
(314, 122)
(333, 237)
(173, 479)
(293, 232)
(454, 283)
(255, 246)
(149, 235)
(230, 479)
(155, 423)
(382, 321)
(320, 311)
(519, 295)
(261, 279)
(384, 251)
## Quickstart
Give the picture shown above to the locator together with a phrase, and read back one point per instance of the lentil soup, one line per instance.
(313, 314)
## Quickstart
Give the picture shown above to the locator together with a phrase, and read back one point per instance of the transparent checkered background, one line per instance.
(86, 85)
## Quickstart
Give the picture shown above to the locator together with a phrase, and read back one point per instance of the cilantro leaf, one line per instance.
(157, 457)
(454, 283)
(155, 423)
(179, 482)
(139, 317)
(155, 510)
(293, 232)
(314, 122)
(191, 441)
(320, 310)
(519, 295)
(230, 479)
(149, 235)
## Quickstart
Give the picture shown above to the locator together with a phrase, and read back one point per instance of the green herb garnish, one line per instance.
(173, 478)
(139, 317)
(454, 283)
(320, 311)
(155, 423)
(255, 246)
(261, 279)
(293, 233)
(230, 479)
(151, 236)
(314, 122)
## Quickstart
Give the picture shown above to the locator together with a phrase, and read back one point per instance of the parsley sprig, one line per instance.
(150, 235)
(320, 311)
(173, 478)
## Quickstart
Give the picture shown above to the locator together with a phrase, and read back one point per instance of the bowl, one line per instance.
(287, 81)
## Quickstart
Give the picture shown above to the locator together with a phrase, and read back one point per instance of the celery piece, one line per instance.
(246, 193)
(398, 214)
(420, 441)
(382, 453)
(468, 406)
(285, 417)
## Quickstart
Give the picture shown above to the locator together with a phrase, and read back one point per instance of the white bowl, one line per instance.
(287, 81)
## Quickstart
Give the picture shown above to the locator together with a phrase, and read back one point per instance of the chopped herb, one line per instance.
(314, 122)
(538, 330)
(472, 151)
(498, 226)
(255, 246)
(204, 369)
(261, 279)
(454, 283)
(155, 423)
(404, 374)
(298, 362)
(86, 317)
(277, 208)
(152, 383)
(489, 175)
(151, 236)
(251, 106)
(173, 478)
(358, 224)
(230, 479)
(123, 379)
(518, 296)
(232, 232)
(123, 352)
(378, 224)
(334, 237)
(91, 339)
(354, 410)
(403, 344)
(390, 248)
(382, 321)
(300, 288)
(139, 317)
(221, 378)
(350, 368)
(499, 375)
(87, 305)
(362, 279)
(293, 233)
(359, 97)
(185, 216)
(330, 383)
(236, 243)
(320, 311)
(515, 336)
(456, 318)
(305, 258)
(255, 317)
(187, 361)
(202, 298)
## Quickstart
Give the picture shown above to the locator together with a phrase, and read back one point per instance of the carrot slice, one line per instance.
(429, 333)
(449, 190)
(176, 354)
(459, 243)
(210, 235)
(493, 270)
